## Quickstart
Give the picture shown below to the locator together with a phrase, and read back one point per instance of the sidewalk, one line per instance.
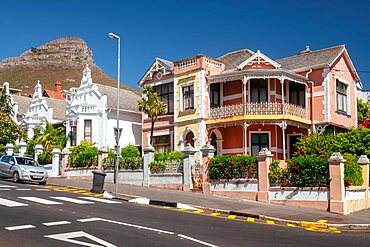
(358, 220)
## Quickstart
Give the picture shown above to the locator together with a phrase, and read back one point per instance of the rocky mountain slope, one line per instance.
(62, 59)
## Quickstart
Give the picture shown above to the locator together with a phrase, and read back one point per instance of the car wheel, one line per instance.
(42, 183)
(16, 177)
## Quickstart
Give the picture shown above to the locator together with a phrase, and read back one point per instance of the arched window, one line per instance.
(189, 139)
(213, 141)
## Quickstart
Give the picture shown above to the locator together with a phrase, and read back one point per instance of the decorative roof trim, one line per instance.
(155, 67)
(351, 63)
(259, 55)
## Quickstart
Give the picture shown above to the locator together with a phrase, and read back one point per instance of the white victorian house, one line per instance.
(38, 110)
(91, 114)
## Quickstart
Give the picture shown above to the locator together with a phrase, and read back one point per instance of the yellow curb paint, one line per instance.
(80, 191)
(270, 222)
(214, 214)
(182, 209)
(231, 217)
(291, 225)
(250, 219)
(322, 221)
(99, 195)
(198, 212)
(333, 229)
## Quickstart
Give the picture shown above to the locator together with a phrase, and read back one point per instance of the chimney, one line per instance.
(58, 86)
(306, 50)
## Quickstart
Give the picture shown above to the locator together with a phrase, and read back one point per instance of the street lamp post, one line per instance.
(117, 131)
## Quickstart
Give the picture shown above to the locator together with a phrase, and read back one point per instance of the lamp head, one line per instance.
(113, 36)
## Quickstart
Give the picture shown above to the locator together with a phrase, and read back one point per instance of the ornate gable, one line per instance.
(258, 61)
(160, 67)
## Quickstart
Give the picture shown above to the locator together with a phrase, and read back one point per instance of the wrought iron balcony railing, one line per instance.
(259, 108)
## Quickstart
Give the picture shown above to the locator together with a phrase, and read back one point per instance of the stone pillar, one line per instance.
(103, 153)
(337, 189)
(65, 157)
(9, 149)
(148, 158)
(189, 161)
(38, 150)
(364, 163)
(22, 148)
(264, 158)
(208, 152)
(55, 170)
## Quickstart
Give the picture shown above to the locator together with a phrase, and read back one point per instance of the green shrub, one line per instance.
(352, 171)
(45, 158)
(305, 171)
(233, 166)
(277, 175)
(130, 151)
(83, 155)
(176, 156)
(124, 163)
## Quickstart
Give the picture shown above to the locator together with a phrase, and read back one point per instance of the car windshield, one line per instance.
(26, 161)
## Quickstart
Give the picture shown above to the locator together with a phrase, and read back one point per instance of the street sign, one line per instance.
(117, 134)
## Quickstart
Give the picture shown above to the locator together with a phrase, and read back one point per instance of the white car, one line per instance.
(22, 168)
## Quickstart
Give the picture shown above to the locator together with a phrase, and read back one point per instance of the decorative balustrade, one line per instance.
(212, 63)
(87, 108)
(188, 63)
(259, 108)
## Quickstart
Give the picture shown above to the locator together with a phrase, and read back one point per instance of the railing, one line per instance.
(213, 64)
(188, 63)
(87, 108)
(259, 108)
(166, 166)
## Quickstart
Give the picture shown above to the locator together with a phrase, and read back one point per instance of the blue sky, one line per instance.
(178, 29)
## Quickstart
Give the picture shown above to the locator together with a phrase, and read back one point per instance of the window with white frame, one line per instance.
(88, 130)
(259, 141)
(341, 96)
(188, 97)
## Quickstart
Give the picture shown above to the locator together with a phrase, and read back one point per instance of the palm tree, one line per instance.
(5, 102)
(152, 106)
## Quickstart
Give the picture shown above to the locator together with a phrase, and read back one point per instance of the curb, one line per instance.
(349, 226)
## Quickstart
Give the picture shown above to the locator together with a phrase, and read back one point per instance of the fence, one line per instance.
(337, 198)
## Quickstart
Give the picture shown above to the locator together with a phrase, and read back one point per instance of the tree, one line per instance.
(152, 106)
(5, 102)
(9, 130)
(363, 110)
(49, 137)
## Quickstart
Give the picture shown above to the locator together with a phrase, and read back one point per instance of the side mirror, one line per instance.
(11, 162)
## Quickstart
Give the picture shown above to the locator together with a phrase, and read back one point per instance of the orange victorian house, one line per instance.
(244, 101)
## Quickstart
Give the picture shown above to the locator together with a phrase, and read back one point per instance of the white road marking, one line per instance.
(67, 237)
(98, 199)
(9, 203)
(126, 224)
(23, 189)
(8, 186)
(40, 200)
(4, 189)
(56, 223)
(196, 240)
(13, 228)
(42, 189)
(69, 199)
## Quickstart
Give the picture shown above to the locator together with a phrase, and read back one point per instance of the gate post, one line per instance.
(337, 189)
(189, 161)
(264, 160)
(208, 152)
(148, 158)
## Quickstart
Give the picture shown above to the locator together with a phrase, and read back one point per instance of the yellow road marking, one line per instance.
(231, 217)
(198, 211)
(166, 207)
(182, 209)
(250, 219)
(214, 214)
(322, 221)
(270, 222)
(291, 225)
(99, 195)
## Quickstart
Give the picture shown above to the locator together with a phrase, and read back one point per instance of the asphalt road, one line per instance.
(34, 216)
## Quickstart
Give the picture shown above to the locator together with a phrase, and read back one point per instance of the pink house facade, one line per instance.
(244, 101)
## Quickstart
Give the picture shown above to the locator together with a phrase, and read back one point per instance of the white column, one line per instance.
(244, 95)
(245, 126)
(55, 162)
(283, 126)
(282, 93)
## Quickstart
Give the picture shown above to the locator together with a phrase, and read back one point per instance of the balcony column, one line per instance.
(245, 80)
(245, 127)
(283, 126)
(282, 93)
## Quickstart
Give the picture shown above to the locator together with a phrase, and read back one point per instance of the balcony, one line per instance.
(261, 110)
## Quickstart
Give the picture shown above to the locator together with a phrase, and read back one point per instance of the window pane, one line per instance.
(255, 139)
(264, 139)
(263, 94)
(340, 101)
(170, 103)
(345, 103)
(255, 150)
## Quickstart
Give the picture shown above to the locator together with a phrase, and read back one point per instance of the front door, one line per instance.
(292, 141)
